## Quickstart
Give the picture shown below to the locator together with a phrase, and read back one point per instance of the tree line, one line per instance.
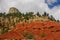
(27, 15)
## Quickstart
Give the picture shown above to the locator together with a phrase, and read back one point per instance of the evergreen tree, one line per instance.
(52, 18)
(38, 14)
(58, 21)
(45, 14)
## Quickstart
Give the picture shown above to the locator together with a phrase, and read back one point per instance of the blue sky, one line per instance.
(57, 3)
(50, 6)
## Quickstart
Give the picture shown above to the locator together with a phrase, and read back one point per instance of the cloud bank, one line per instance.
(31, 5)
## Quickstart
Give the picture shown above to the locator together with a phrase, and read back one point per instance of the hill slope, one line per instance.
(38, 30)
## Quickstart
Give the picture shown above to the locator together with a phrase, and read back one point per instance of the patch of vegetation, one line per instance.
(43, 35)
(28, 35)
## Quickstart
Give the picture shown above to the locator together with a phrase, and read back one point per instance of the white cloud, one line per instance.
(51, 1)
(11, 4)
(25, 1)
(56, 12)
(31, 5)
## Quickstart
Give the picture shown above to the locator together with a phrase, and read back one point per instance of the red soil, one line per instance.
(48, 30)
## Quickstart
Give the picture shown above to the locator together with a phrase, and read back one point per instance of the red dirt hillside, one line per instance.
(46, 30)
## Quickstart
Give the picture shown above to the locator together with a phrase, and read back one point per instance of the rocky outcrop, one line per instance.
(13, 10)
